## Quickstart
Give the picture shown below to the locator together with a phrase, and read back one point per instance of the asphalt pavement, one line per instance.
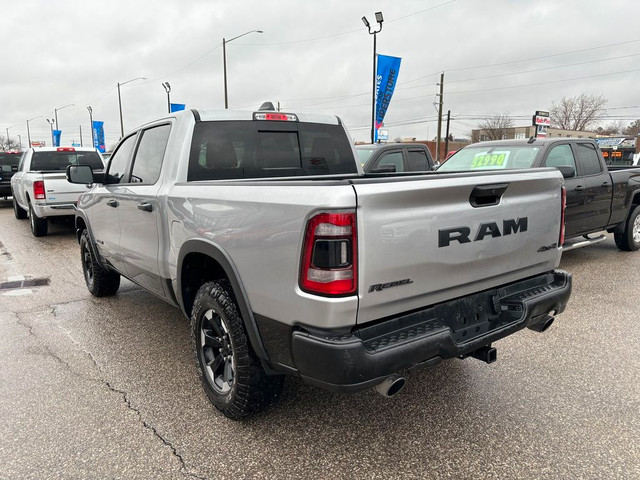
(108, 388)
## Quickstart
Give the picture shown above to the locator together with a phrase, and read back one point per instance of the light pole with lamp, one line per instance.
(55, 112)
(28, 132)
(379, 20)
(224, 61)
(8, 141)
(91, 125)
(51, 121)
(120, 101)
(167, 89)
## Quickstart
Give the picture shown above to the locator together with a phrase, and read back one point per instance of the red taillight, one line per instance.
(329, 255)
(65, 149)
(38, 190)
(564, 207)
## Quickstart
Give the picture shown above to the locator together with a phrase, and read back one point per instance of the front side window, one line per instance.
(561, 156)
(119, 160)
(148, 160)
(393, 159)
(588, 158)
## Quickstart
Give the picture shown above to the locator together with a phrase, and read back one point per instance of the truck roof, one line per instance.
(535, 141)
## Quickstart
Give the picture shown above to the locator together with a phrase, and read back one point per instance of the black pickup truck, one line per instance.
(395, 157)
(598, 198)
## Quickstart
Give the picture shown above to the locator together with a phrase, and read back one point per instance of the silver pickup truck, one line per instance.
(39, 186)
(263, 229)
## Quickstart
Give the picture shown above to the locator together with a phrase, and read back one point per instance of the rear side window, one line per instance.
(148, 160)
(418, 161)
(259, 149)
(58, 161)
(588, 158)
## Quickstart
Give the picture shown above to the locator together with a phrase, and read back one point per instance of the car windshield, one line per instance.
(495, 157)
(58, 161)
(364, 154)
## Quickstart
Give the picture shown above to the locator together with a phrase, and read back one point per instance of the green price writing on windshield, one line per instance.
(488, 160)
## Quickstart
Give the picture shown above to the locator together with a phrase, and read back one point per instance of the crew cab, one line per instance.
(40, 189)
(8, 166)
(598, 197)
(395, 157)
(263, 229)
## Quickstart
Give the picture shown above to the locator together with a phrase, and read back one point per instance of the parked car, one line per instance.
(598, 197)
(8, 166)
(263, 229)
(40, 189)
(395, 157)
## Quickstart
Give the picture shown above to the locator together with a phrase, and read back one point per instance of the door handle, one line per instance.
(145, 207)
(112, 203)
(579, 188)
(605, 184)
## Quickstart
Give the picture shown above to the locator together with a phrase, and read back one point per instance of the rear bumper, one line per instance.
(456, 328)
(5, 188)
(55, 210)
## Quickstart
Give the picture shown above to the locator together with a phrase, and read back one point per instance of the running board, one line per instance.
(583, 243)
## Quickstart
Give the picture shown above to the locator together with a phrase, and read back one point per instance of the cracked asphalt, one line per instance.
(108, 388)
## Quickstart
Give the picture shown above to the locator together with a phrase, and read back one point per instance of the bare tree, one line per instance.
(613, 128)
(633, 130)
(494, 128)
(577, 113)
(11, 144)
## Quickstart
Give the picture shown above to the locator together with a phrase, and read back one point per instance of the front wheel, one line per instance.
(629, 239)
(39, 226)
(100, 281)
(231, 373)
(19, 212)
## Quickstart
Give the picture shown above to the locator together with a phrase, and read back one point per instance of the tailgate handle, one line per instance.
(487, 195)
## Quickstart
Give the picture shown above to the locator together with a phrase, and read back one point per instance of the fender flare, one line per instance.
(92, 240)
(224, 260)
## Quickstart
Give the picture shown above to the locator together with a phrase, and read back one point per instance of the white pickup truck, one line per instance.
(40, 189)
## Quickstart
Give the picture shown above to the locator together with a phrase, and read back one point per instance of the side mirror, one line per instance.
(384, 169)
(435, 166)
(81, 174)
(567, 171)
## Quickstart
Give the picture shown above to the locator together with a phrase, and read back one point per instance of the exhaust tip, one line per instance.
(390, 386)
(543, 325)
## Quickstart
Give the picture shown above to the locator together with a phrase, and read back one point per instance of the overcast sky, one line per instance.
(498, 56)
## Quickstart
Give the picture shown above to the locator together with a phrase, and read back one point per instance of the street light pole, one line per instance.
(120, 101)
(51, 121)
(7, 144)
(167, 88)
(91, 125)
(28, 132)
(224, 61)
(379, 20)
(55, 112)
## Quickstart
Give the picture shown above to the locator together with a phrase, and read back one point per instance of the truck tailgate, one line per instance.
(59, 190)
(428, 239)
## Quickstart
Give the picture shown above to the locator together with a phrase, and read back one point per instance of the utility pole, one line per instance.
(446, 141)
(440, 117)
(81, 135)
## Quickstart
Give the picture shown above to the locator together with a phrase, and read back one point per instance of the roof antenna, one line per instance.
(531, 139)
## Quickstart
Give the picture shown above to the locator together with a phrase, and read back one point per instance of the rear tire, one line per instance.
(39, 226)
(629, 239)
(231, 373)
(19, 212)
(100, 281)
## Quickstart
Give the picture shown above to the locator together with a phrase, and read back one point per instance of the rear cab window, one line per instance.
(9, 162)
(261, 149)
(57, 161)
